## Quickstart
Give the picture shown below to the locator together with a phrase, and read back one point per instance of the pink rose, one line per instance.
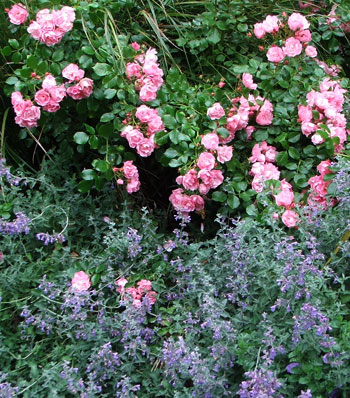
(134, 293)
(133, 69)
(224, 153)
(258, 184)
(133, 185)
(216, 179)
(18, 14)
(135, 46)
(311, 51)
(134, 137)
(68, 12)
(16, 97)
(151, 296)
(198, 202)
(52, 106)
(290, 218)
(75, 92)
(203, 188)
(323, 167)
(307, 128)
(275, 54)
(81, 281)
(259, 30)
(216, 111)
(210, 141)
(247, 80)
(29, 115)
(190, 180)
(121, 284)
(271, 24)
(318, 185)
(271, 154)
(57, 93)
(206, 161)
(148, 92)
(86, 86)
(292, 47)
(284, 198)
(144, 285)
(317, 139)
(155, 125)
(264, 118)
(270, 172)
(48, 82)
(42, 97)
(297, 21)
(145, 113)
(303, 35)
(145, 147)
(129, 170)
(73, 73)
(304, 113)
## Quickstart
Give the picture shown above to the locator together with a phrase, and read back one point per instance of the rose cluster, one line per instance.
(143, 289)
(240, 116)
(50, 26)
(80, 282)
(149, 76)
(203, 176)
(293, 45)
(130, 173)
(141, 137)
(263, 156)
(27, 114)
(83, 87)
(319, 187)
(17, 14)
(323, 112)
(50, 95)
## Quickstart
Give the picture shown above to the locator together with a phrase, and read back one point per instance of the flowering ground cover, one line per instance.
(174, 212)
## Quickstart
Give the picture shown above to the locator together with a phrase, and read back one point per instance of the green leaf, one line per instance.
(107, 117)
(219, 196)
(101, 165)
(85, 186)
(175, 163)
(14, 44)
(58, 55)
(11, 80)
(88, 174)
(251, 211)
(294, 153)
(101, 69)
(32, 61)
(169, 122)
(106, 130)
(110, 93)
(291, 166)
(224, 133)
(88, 50)
(214, 36)
(300, 180)
(282, 158)
(80, 138)
(261, 135)
(6, 51)
(161, 137)
(233, 201)
(171, 153)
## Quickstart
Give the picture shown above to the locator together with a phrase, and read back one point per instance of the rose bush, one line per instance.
(205, 131)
